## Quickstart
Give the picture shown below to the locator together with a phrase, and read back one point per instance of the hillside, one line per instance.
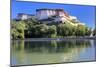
(32, 28)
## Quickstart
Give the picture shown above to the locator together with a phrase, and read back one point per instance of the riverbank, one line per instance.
(48, 39)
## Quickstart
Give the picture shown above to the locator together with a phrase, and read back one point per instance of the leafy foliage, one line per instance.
(32, 28)
(17, 29)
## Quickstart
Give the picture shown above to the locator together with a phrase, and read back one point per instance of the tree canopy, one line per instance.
(32, 28)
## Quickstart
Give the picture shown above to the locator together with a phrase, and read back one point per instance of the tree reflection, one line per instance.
(40, 52)
(50, 46)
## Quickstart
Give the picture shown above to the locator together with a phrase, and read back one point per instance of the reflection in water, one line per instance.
(41, 52)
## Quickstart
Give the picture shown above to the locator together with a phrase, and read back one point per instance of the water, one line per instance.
(45, 52)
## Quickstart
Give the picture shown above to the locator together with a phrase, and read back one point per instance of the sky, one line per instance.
(85, 14)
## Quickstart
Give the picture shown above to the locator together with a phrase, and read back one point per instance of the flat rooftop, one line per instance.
(50, 9)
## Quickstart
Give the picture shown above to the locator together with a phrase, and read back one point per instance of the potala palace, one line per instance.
(51, 15)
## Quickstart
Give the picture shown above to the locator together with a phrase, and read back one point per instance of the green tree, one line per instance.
(65, 29)
(80, 30)
(88, 31)
(41, 30)
(17, 29)
(30, 25)
(52, 31)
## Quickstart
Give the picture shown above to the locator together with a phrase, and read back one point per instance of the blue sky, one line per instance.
(85, 14)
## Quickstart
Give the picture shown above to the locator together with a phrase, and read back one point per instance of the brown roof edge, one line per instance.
(60, 9)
